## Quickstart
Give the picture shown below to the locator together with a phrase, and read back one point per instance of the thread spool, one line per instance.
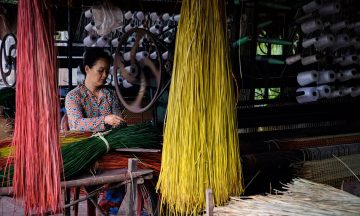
(357, 28)
(337, 60)
(131, 39)
(126, 84)
(166, 16)
(142, 27)
(120, 80)
(353, 41)
(140, 15)
(356, 92)
(129, 27)
(129, 14)
(339, 75)
(89, 26)
(310, 59)
(154, 28)
(310, 94)
(311, 25)
(334, 94)
(168, 39)
(115, 41)
(329, 8)
(131, 71)
(141, 55)
(90, 40)
(88, 13)
(143, 40)
(101, 42)
(153, 55)
(339, 25)
(121, 54)
(307, 77)
(165, 55)
(308, 42)
(324, 91)
(126, 56)
(154, 16)
(175, 18)
(292, 59)
(326, 77)
(302, 19)
(347, 75)
(312, 6)
(350, 59)
(324, 41)
(347, 91)
(341, 40)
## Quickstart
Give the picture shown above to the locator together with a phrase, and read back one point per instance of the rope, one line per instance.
(101, 136)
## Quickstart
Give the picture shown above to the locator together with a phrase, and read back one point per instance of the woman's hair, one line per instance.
(91, 56)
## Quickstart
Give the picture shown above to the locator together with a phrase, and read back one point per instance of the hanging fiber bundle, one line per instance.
(200, 140)
(36, 145)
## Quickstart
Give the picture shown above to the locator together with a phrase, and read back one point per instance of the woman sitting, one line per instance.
(90, 106)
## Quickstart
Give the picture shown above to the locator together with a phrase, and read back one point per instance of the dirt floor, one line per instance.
(6, 128)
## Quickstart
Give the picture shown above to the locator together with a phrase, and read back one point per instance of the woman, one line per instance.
(91, 107)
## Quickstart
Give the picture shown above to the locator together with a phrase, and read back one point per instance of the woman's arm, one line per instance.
(76, 118)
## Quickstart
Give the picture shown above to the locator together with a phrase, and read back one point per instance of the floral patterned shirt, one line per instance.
(86, 112)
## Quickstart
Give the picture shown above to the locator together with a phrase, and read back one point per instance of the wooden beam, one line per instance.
(132, 191)
(130, 5)
(209, 202)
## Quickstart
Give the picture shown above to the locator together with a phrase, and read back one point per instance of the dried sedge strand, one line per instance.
(200, 138)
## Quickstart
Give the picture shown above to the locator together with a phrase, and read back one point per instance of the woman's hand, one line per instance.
(113, 120)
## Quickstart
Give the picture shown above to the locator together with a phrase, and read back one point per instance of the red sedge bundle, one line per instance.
(36, 145)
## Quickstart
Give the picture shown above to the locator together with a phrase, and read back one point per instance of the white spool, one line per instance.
(101, 42)
(308, 42)
(326, 77)
(126, 84)
(115, 41)
(329, 8)
(337, 60)
(356, 92)
(129, 14)
(131, 71)
(311, 94)
(339, 76)
(154, 28)
(166, 16)
(348, 74)
(312, 6)
(153, 55)
(126, 56)
(307, 77)
(341, 40)
(140, 15)
(347, 91)
(160, 29)
(88, 13)
(129, 27)
(113, 55)
(350, 59)
(311, 25)
(90, 40)
(142, 27)
(334, 94)
(154, 16)
(89, 26)
(165, 55)
(324, 91)
(176, 18)
(324, 41)
(168, 39)
(339, 25)
(141, 55)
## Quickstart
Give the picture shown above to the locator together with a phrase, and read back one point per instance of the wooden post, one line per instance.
(91, 210)
(209, 202)
(66, 201)
(132, 190)
(76, 197)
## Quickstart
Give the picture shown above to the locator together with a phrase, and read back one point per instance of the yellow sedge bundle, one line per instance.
(200, 139)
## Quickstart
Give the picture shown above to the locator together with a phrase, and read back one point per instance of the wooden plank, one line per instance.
(106, 177)
(91, 210)
(132, 190)
(351, 186)
(94, 202)
(209, 202)
(137, 150)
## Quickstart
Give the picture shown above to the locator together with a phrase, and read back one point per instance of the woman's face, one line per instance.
(98, 73)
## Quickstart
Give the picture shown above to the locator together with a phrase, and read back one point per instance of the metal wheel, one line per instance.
(137, 68)
(8, 59)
